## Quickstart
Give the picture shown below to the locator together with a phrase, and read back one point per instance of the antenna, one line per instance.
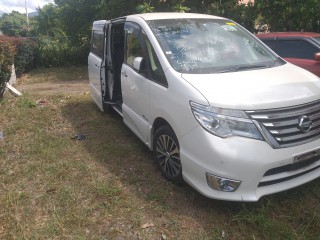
(25, 3)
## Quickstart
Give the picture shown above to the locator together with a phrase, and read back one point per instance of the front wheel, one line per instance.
(167, 152)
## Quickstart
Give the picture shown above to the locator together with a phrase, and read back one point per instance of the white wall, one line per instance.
(13, 78)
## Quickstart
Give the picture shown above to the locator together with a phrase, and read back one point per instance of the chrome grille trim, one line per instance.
(280, 127)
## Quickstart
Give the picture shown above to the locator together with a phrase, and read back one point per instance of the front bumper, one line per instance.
(261, 169)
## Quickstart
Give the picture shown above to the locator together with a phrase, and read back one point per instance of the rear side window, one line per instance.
(97, 43)
(296, 49)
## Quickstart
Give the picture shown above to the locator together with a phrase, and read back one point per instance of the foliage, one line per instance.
(246, 15)
(7, 51)
(48, 22)
(51, 53)
(180, 8)
(290, 15)
(14, 24)
(24, 57)
(63, 29)
(108, 9)
(76, 17)
(145, 8)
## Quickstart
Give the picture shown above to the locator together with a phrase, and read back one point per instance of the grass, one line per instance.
(108, 186)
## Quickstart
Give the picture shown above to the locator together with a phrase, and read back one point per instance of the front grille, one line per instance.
(281, 128)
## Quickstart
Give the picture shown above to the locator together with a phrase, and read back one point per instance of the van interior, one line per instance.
(112, 95)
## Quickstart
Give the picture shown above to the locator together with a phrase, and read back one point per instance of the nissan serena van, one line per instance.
(218, 108)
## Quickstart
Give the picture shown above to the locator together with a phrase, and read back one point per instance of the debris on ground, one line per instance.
(79, 137)
(14, 91)
(42, 103)
(147, 225)
(1, 135)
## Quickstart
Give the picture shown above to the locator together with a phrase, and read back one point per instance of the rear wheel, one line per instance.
(167, 152)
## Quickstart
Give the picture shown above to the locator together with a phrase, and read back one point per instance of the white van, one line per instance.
(219, 109)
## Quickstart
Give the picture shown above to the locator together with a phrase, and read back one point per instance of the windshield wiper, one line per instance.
(243, 67)
(246, 67)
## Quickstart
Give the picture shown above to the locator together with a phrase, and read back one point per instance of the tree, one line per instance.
(246, 15)
(77, 16)
(47, 23)
(14, 24)
(7, 51)
(290, 15)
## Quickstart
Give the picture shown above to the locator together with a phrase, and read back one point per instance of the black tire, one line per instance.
(167, 153)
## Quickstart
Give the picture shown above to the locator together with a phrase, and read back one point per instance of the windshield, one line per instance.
(210, 46)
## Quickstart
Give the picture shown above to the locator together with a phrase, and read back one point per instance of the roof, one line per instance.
(101, 22)
(172, 15)
(288, 34)
(163, 15)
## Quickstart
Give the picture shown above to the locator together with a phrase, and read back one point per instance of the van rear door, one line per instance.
(96, 62)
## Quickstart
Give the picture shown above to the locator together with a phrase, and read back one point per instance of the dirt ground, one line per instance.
(53, 81)
(49, 88)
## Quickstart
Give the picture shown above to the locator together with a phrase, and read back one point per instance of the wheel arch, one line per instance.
(158, 122)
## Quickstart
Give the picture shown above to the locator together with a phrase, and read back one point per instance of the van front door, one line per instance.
(135, 85)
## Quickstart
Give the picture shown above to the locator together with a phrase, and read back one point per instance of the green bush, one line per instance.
(7, 51)
(54, 53)
(24, 57)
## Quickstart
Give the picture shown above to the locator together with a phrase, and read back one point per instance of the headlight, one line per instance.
(225, 122)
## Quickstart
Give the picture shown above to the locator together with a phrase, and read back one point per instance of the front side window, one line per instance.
(156, 70)
(97, 43)
(133, 44)
(273, 44)
(297, 49)
(139, 45)
(209, 46)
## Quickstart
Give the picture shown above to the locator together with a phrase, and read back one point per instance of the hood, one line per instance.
(276, 87)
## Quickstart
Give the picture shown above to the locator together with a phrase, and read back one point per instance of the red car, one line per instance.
(299, 48)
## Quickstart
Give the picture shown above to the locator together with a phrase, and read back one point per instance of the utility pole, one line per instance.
(25, 3)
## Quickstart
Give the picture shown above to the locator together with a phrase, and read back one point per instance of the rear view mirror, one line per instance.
(139, 64)
(317, 56)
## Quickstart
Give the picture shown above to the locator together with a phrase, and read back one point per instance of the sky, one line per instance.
(6, 6)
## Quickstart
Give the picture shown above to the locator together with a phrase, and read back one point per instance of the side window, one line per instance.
(157, 73)
(297, 49)
(138, 45)
(133, 44)
(97, 43)
(273, 44)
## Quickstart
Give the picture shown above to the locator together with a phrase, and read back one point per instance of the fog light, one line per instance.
(222, 184)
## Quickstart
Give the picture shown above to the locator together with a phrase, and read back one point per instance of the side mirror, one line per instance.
(317, 56)
(139, 64)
